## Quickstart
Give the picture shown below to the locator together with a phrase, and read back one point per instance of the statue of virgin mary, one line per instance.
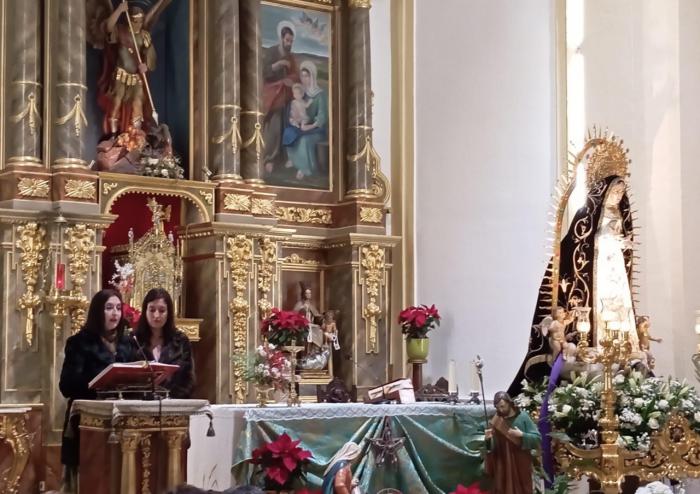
(591, 270)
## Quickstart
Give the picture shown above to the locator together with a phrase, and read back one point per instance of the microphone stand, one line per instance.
(148, 364)
(153, 391)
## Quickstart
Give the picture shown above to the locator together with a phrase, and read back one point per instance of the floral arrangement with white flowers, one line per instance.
(123, 279)
(163, 167)
(269, 367)
(643, 407)
(654, 488)
(530, 399)
(574, 408)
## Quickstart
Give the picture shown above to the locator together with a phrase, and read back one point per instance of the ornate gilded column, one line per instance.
(361, 160)
(251, 92)
(69, 119)
(174, 469)
(23, 86)
(224, 90)
(130, 442)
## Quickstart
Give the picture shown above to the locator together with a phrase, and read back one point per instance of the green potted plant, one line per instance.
(415, 323)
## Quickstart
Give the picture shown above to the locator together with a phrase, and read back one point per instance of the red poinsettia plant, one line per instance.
(282, 462)
(131, 315)
(417, 321)
(285, 327)
(472, 489)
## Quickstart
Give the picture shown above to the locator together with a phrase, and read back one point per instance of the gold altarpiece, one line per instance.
(244, 243)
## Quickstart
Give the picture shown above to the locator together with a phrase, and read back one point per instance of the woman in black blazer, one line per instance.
(163, 342)
(99, 343)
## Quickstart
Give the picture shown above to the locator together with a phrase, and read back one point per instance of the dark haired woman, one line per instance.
(99, 343)
(163, 342)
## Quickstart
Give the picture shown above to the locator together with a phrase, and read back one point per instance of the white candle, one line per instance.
(475, 378)
(452, 377)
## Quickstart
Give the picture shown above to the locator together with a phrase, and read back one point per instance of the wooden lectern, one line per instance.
(134, 446)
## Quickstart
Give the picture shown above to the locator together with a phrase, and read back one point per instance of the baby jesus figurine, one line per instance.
(330, 331)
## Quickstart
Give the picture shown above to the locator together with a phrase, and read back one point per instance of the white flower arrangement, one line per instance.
(530, 400)
(268, 367)
(165, 167)
(655, 488)
(643, 407)
(123, 279)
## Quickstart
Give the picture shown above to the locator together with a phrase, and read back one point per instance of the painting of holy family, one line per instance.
(296, 48)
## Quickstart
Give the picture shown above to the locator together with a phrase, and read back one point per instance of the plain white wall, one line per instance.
(689, 68)
(485, 167)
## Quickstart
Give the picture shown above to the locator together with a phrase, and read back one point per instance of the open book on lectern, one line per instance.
(121, 374)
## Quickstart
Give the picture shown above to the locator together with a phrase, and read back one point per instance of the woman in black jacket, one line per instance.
(99, 343)
(163, 342)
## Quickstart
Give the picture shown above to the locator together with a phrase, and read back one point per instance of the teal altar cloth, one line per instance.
(441, 446)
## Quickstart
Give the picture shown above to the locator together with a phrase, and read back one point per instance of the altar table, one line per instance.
(440, 446)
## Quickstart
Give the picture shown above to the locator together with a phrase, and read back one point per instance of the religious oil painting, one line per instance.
(296, 53)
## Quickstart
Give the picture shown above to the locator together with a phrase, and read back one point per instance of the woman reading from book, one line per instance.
(99, 343)
(162, 342)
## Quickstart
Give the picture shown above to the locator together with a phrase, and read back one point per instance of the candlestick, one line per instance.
(452, 377)
(60, 276)
(475, 384)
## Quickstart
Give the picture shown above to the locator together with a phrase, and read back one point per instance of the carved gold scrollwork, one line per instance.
(266, 271)
(360, 4)
(262, 206)
(372, 278)
(92, 421)
(208, 196)
(236, 202)
(80, 246)
(13, 431)
(108, 186)
(33, 187)
(76, 114)
(233, 133)
(30, 112)
(257, 137)
(32, 245)
(146, 464)
(320, 216)
(371, 215)
(81, 189)
(148, 422)
(674, 453)
(297, 259)
(380, 184)
(239, 253)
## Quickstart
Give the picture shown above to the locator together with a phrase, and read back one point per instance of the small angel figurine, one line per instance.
(555, 329)
(645, 337)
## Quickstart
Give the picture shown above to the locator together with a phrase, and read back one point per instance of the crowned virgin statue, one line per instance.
(586, 287)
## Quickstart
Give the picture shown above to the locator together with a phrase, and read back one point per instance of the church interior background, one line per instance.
(347, 159)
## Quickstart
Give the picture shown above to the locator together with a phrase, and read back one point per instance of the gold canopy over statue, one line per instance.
(157, 263)
(155, 259)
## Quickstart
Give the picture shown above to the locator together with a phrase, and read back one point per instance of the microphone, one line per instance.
(148, 364)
